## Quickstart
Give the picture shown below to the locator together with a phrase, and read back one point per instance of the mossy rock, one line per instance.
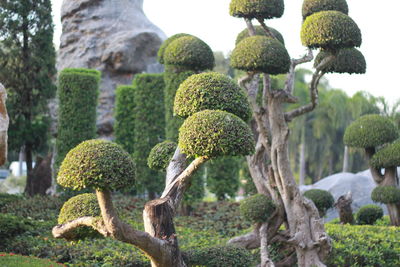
(330, 30)
(164, 45)
(161, 154)
(261, 54)
(370, 131)
(211, 90)
(347, 60)
(387, 194)
(97, 164)
(260, 31)
(189, 52)
(369, 214)
(387, 157)
(313, 6)
(260, 9)
(215, 133)
(322, 199)
(257, 208)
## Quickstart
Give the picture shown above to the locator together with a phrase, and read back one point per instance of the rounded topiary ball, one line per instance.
(262, 9)
(211, 90)
(260, 31)
(369, 214)
(387, 157)
(347, 60)
(370, 131)
(313, 6)
(261, 54)
(322, 199)
(215, 133)
(165, 44)
(257, 208)
(189, 52)
(386, 194)
(97, 164)
(161, 154)
(330, 30)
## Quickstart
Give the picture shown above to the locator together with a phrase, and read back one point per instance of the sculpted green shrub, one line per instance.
(330, 30)
(161, 154)
(369, 214)
(347, 60)
(387, 157)
(261, 54)
(259, 31)
(313, 6)
(322, 199)
(263, 9)
(97, 164)
(161, 50)
(257, 208)
(386, 194)
(211, 90)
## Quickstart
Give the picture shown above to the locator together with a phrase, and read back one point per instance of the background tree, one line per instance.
(223, 177)
(27, 60)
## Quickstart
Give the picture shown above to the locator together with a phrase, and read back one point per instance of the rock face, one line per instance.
(112, 36)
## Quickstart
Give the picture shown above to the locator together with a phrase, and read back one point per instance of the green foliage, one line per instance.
(124, 127)
(97, 164)
(195, 193)
(223, 177)
(220, 256)
(149, 127)
(370, 131)
(260, 31)
(347, 60)
(8, 198)
(11, 226)
(262, 54)
(259, 9)
(215, 133)
(387, 157)
(77, 92)
(313, 6)
(368, 214)
(211, 90)
(190, 53)
(322, 199)
(386, 194)
(363, 245)
(164, 45)
(257, 208)
(330, 30)
(13, 260)
(160, 155)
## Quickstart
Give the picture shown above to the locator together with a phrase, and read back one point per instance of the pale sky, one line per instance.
(209, 20)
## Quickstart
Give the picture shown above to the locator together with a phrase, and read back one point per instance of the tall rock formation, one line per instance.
(112, 36)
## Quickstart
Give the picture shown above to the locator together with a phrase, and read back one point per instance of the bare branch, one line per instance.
(265, 260)
(176, 166)
(375, 172)
(266, 29)
(65, 230)
(289, 84)
(250, 27)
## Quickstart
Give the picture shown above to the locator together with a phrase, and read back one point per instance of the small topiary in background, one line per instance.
(257, 208)
(164, 45)
(259, 31)
(260, 9)
(313, 6)
(386, 194)
(322, 199)
(347, 60)
(387, 157)
(369, 214)
(161, 154)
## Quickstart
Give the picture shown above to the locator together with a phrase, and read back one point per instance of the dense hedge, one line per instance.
(347, 60)
(257, 208)
(386, 194)
(370, 131)
(322, 199)
(164, 45)
(223, 177)
(78, 90)
(97, 164)
(387, 157)
(369, 214)
(313, 6)
(211, 90)
(160, 155)
(215, 133)
(124, 127)
(12, 226)
(330, 30)
(149, 127)
(261, 54)
(259, 31)
(264, 9)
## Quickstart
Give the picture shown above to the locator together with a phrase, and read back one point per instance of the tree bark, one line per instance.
(343, 205)
(4, 121)
(346, 159)
(302, 158)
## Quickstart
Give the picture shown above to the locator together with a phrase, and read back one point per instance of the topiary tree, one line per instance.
(328, 27)
(376, 135)
(322, 199)
(369, 214)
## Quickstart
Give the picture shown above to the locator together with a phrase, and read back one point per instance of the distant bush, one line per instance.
(368, 214)
(8, 198)
(322, 199)
(386, 194)
(11, 226)
(257, 208)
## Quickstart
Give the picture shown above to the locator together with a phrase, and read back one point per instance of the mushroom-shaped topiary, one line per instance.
(260, 31)
(369, 214)
(261, 54)
(257, 208)
(161, 50)
(387, 194)
(330, 30)
(211, 90)
(347, 60)
(370, 131)
(259, 9)
(97, 164)
(322, 199)
(189, 52)
(215, 133)
(387, 157)
(160, 155)
(313, 6)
